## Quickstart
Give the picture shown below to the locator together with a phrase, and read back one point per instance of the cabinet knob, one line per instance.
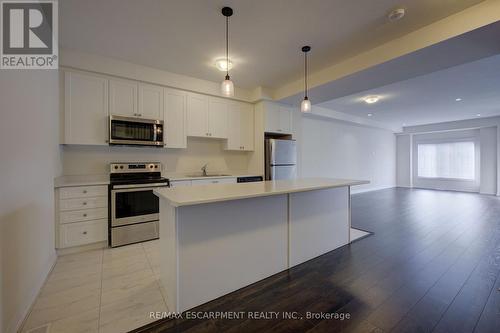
(85, 204)
(84, 191)
(84, 232)
(85, 215)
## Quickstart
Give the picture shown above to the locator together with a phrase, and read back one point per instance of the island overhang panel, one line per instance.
(219, 238)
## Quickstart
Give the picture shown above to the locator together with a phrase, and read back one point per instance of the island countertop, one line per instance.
(202, 194)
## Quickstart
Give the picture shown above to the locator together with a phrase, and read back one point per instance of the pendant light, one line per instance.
(305, 106)
(227, 86)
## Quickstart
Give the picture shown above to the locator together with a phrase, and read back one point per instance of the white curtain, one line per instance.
(454, 160)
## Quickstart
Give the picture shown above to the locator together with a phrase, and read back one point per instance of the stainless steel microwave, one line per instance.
(135, 131)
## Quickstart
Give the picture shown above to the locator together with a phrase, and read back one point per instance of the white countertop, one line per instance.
(201, 194)
(81, 180)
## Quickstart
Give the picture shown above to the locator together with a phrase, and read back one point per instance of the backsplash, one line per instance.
(87, 160)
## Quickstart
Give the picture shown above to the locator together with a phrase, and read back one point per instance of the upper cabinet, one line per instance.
(150, 101)
(240, 127)
(91, 98)
(206, 116)
(217, 117)
(175, 118)
(123, 98)
(132, 99)
(278, 118)
(85, 109)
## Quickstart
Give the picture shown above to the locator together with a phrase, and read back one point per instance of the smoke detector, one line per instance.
(396, 14)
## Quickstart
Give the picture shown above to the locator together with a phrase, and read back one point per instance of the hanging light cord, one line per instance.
(227, 47)
(305, 71)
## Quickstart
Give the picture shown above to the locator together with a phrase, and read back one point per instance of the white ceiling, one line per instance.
(186, 36)
(431, 98)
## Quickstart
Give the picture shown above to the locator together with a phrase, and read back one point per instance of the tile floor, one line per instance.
(108, 290)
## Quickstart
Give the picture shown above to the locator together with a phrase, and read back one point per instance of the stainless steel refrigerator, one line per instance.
(281, 159)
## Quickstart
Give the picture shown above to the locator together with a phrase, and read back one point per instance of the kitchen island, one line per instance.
(215, 239)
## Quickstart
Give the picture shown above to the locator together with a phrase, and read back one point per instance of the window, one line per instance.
(454, 160)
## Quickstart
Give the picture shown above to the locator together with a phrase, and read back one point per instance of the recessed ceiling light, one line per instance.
(478, 115)
(458, 99)
(369, 115)
(371, 99)
(221, 65)
(396, 14)
(404, 124)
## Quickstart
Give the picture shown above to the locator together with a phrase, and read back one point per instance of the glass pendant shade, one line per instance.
(305, 106)
(227, 87)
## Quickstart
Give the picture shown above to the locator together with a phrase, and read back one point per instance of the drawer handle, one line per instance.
(84, 232)
(85, 204)
(85, 215)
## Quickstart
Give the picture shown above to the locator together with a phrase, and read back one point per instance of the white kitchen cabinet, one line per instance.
(211, 180)
(179, 183)
(217, 117)
(123, 96)
(206, 116)
(150, 101)
(278, 118)
(81, 215)
(175, 118)
(85, 109)
(240, 127)
(197, 115)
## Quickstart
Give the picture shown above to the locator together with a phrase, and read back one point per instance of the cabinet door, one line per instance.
(85, 109)
(123, 98)
(247, 126)
(175, 118)
(209, 181)
(180, 183)
(197, 115)
(217, 118)
(233, 127)
(150, 101)
(272, 112)
(285, 119)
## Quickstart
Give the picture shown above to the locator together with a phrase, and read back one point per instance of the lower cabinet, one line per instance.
(81, 233)
(213, 181)
(82, 215)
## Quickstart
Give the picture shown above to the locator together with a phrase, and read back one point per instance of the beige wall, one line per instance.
(30, 160)
(79, 160)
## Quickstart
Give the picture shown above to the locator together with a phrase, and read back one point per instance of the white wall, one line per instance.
(488, 140)
(79, 160)
(30, 160)
(489, 147)
(404, 160)
(332, 148)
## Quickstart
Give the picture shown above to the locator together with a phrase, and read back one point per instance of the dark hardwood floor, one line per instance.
(432, 265)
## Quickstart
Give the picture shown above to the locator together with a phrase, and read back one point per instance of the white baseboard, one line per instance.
(20, 318)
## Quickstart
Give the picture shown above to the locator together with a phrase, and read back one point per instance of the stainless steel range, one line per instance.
(134, 209)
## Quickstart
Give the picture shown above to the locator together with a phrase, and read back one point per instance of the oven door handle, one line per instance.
(139, 186)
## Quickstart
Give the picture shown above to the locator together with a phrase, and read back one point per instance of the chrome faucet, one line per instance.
(204, 170)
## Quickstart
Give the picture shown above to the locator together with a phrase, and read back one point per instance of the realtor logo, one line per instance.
(29, 34)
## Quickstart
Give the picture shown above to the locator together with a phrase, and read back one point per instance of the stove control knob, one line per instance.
(156, 167)
(151, 166)
(121, 166)
(116, 166)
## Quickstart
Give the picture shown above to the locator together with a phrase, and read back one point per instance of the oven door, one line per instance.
(133, 205)
(133, 131)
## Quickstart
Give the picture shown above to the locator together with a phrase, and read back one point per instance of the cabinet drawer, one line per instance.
(80, 233)
(83, 215)
(214, 181)
(83, 203)
(83, 192)
(178, 183)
